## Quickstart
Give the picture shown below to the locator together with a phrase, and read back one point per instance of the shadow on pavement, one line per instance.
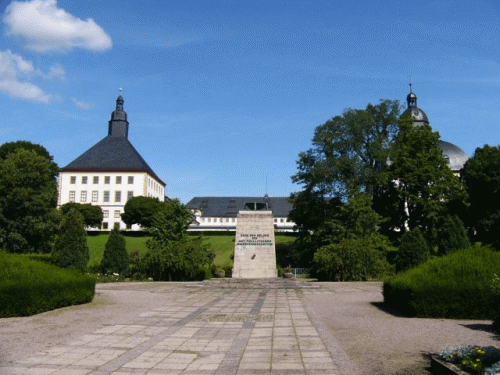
(485, 327)
(389, 310)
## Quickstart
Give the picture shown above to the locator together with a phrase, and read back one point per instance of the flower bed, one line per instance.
(472, 359)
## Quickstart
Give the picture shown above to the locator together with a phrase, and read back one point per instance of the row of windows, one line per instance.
(105, 214)
(105, 225)
(107, 180)
(233, 220)
(155, 186)
(95, 196)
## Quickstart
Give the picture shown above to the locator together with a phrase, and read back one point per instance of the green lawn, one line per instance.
(222, 246)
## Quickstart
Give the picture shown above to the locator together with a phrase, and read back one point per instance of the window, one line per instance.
(73, 180)
(129, 226)
(83, 196)
(130, 179)
(96, 180)
(118, 196)
(281, 220)
(232, 220)
(105, 214)
(107, 179)
(84, 179)
(118, 179)
(209, 219)
(71, 196)
(117, 214)
(275, 220)
(95, 196)
(104, 225)
(130, 194)
(106, 196)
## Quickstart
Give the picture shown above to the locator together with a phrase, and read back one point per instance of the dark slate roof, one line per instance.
(229, 206)
(113, 153)
(455, 155)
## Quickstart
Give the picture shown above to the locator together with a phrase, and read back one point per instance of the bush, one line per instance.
(457, 286)
(413, 250)
(352, 259)
(115, 258)
(452, 235)
(71, 249)
(495, 302)
(30, 287)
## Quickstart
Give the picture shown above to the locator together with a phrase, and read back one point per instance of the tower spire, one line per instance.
(118, 125)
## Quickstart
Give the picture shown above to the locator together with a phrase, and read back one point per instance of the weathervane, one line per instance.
(120, 89)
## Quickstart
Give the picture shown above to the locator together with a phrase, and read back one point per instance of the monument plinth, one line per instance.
(254, 250)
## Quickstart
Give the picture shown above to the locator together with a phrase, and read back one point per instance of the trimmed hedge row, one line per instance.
(29, 287)
(458, 286)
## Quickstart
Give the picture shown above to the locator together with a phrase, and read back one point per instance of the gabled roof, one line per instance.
(229, 206)
(111, 154)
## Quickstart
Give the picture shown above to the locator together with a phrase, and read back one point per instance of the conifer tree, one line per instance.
(115, 258)
(413, 250)
(71, 249)
(452, 235)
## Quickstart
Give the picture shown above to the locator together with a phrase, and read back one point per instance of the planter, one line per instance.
(439, 367)
(287, 275)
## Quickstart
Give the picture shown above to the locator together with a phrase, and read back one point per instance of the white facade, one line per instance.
(109, 190)
(229, 223)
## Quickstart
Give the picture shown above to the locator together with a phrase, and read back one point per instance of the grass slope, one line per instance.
(221, 245)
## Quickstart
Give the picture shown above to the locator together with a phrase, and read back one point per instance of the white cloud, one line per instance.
(45, 27)
(13, 68)
(81, 104)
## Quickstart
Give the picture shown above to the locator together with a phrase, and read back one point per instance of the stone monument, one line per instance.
(254, 250)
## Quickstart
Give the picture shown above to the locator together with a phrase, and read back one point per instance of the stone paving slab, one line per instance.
(218, 327)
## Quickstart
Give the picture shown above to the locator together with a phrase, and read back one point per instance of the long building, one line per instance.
(109, 173)
(220, 213)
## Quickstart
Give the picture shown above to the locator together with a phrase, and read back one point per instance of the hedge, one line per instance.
(29, 287)
(457, 286)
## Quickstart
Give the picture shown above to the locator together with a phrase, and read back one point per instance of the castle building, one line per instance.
(455, 156)
(220, 213)
(110, 173)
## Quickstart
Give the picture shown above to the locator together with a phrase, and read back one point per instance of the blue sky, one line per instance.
(221, 94)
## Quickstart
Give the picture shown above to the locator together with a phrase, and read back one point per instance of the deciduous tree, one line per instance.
(481, 175)
(140, 210)
(28, 195)
(92, 215)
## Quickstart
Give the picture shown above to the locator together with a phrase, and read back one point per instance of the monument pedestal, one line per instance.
(254, 251)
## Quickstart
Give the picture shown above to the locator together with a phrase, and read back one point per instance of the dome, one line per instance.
(455, 155)
(419, 116)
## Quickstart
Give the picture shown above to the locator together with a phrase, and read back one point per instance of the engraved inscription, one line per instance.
(254, 240)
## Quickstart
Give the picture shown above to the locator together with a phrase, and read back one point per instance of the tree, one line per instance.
(70, 248)
(115, 258)
(481, 175)
(28, 195)
(419, 185)
(10, 147)
(452, 235)
(172, 253)
(348, 156)
(413, 250)
(140, 210)
(349, 151)
(92, 215)
(355, 250)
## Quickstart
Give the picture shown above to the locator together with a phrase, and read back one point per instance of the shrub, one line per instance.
(495, 302)
(352, 259)
(457, 285)
(115, 258)
(30, 287)
(452, 235)
(71, 249)
(413, 250)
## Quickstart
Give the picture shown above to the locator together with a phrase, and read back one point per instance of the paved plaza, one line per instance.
(216, 327)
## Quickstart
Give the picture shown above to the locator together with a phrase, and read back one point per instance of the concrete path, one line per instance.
(217, 327)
